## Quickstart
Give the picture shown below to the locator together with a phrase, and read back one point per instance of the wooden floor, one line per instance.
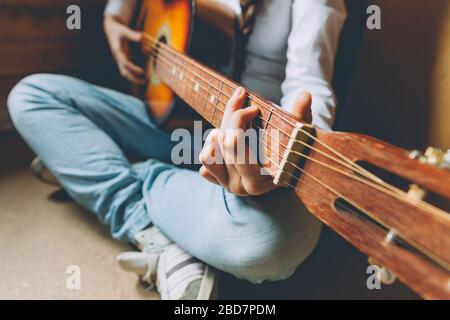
(40, 238)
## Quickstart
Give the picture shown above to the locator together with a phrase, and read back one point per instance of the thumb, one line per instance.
(302, 107)
(132, 35)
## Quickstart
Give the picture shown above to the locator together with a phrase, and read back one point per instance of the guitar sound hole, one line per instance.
(162, 39)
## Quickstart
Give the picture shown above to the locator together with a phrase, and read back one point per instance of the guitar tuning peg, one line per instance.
(438, 157)
(415, 193)
(433, 156)
(384, 275)
(446, 161)
(417, 155)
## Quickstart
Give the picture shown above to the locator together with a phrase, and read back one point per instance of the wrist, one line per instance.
(113, 18)
(121, 9)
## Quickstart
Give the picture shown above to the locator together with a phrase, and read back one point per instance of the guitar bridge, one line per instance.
(293, 158)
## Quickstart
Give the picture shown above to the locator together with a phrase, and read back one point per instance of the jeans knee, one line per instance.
(273, 255)
(28, 94)
(22, 93)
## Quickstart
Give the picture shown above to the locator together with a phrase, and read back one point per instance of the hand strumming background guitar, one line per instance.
(119, 37)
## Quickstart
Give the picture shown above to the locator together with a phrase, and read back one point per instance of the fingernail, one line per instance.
(238, 91)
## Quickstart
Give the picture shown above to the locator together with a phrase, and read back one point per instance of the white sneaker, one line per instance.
(151, 240)
(181, 276)
(176, 274)
(41, 172)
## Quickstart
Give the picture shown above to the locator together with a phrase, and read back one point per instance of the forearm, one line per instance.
(118, 15)
(312, 46)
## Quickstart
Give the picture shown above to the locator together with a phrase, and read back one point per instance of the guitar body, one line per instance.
(204, 30)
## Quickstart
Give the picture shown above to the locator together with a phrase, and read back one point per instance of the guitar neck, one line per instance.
(363, 209)
(207, 92)
(202, 88)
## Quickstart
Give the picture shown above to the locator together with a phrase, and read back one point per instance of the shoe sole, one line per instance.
(40, 171)
(207, 284)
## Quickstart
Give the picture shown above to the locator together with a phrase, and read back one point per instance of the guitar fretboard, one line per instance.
(208, 92)
(202, 88)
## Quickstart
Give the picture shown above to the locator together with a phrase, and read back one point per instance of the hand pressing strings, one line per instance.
(239, 171)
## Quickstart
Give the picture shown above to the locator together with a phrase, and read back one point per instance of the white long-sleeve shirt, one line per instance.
(291, 49)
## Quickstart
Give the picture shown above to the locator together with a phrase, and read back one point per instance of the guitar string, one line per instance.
(283, 145)
(358, 168)
(424, 205)
(413, 243)
(418, 247)
(346, 164)
(399, 195)
(263, 104)
(264, 120)
(302, 170)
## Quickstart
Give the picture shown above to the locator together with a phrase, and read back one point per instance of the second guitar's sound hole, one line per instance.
(161, 39)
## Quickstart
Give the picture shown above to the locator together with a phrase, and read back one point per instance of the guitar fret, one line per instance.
(218, 100)
(200, 88)
(268, 118)
(180, 80)
(185, 89)
(174, 74)
(184, 78)
(189, 94)
(195, 87)
(180, 84)
(192, 94)
(207, 94)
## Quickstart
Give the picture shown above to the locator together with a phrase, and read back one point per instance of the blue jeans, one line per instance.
(83, 133)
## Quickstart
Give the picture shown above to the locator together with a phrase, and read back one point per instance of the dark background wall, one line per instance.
(400, 85)
(34, 38)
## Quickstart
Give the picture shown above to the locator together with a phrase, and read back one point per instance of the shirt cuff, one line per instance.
(233, 5)
(124, 9)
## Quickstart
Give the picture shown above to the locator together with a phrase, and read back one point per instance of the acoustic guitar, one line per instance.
(386, 201)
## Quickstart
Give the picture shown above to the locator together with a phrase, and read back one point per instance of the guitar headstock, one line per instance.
(377, 196)
(433, 156)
